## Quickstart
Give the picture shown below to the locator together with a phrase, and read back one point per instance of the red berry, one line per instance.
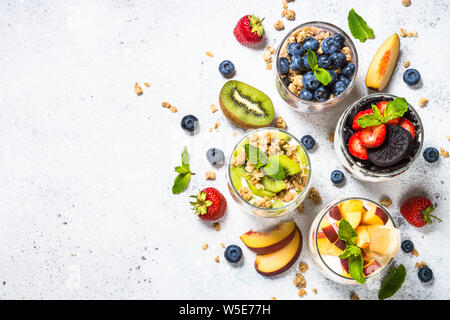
(406, 124)
(355, 124)
(249, 30)
(382, 106)
(416, 210)
(372, 137)
(210, 204)
(356, 148)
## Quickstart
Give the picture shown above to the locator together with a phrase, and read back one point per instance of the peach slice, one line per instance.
(384, 241)
(370, 267)
(353, 217)
(335, 249)
(383, 64)
(375, 216)
(279, 261)
(335, 213)
(363, 238)
(351, 206)
(330, 230)
(322, 243)
(270, 241)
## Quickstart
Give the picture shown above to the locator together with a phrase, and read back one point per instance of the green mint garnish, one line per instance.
(392, 283)
(274, 169)
(394, 109)
(184, 174)
(256, 156)
(322, 75)
(352, 252)
(346, 233)
(358, 27)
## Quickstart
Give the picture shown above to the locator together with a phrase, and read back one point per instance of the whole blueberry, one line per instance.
(305, 94)
(233, 254)
(226, 68)
(348, 70)
(338, 59)
(323, 61)
(305, 61)
(431, 154)
(339, 38)
(425, 274)
(215, 156)
(334, 77)
(337, 176)
(308, 142)
(411, 76)
(338, 87)
(294, 49)
(189, 123)
(296, 63)
(321, 94)
(330, 46)
(310, 43)
(283, 65)
(344, 79)
(310, 81)
(407, 246)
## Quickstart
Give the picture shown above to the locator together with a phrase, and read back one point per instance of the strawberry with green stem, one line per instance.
(417, 211)
(249, 30)
(209, 204)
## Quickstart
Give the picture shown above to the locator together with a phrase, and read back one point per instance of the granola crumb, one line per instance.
(331, 136)
(216, 125)
(289, 14)
(443, 153)
(314, 195)
(448, 138)
(217, 226)
(273, 298)
(209, 54)
(386, 202)
(271, 49)
(138, 89)
(354, 296)
(303, 267)
(205, 246)
(279, 25)
(301, 208)
(423, 264)
(314, 290)
(245, 193)
(423, 101)
(280, 123)
(406, 3)
(415, 34)
(417, 265)
(415, 252)
(210, 129)
(173, 109)
(301, 293)
(147, 84)
(269, 66)
(406, 64)
(213, 108)
(210, 175)
(300, 281)
(222, 245)
(165, 104)
(234, 133)
(216, 259)
(403, 33)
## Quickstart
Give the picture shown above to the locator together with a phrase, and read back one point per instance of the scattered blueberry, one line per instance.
(334, 77)
(348, 70)
(189, 123)
(330, 46)
(323, 61)
(215, 156)
(425, 274)
(305, 94)
(310, 43)
(310, 81)
(338, 59)
(337, 176)
(407, 246)
(431, 154)
(344, 79)
(296, 63)
(339, 38)
(283, 65)
(308, 142)
(294, 49)
(411, 76)
(233, 254)
(338, 87)
(322, 94)
(226, 68)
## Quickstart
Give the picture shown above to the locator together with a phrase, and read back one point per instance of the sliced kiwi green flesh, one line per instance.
(303, 160)
(258, 192)
(290, 166)
(278, 203)
(273, 185)
(245, 106)
(236, 178)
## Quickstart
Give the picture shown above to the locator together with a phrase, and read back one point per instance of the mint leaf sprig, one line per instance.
(322, 75)
(184, 174)
(393, 282)
(352, 252)
(394, 109)
(358, 27)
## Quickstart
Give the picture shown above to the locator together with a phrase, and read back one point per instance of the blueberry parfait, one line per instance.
(316, 64)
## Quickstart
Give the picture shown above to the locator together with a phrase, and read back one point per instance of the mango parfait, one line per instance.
(269, 172)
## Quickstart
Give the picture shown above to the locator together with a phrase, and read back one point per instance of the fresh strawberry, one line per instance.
(355, 124)
(249, 30)
(210, 204)
(382, 106)
(406, 124)
(416, 210)
(356, 148)
(372, 137)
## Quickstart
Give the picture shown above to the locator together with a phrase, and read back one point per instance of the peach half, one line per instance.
(270, 241)
(329, 229)
(374, 216)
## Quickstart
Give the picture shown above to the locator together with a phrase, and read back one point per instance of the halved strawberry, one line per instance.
(382, 106)
(406, 124)
(372, 137)
(356, 148)
(355, 124)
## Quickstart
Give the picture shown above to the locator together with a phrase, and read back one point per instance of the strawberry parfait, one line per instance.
(378, 137)
(354, 240)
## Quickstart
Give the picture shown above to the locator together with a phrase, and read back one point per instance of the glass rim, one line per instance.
(247, 134)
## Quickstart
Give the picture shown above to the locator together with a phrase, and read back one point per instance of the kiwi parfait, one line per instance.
(269, 172)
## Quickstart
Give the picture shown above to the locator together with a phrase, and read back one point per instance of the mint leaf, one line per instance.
(350, 250)
(256, 156)
(322, 75)
(355, 268)
(274, 169)
(182, 170)
(346, 232)
(395, 109)
(180, 183)
(185, 158)
(392, 283)
(312, 59)
(358, 27)
(352, 253)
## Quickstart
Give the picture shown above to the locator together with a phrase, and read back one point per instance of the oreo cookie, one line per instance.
(397, 146)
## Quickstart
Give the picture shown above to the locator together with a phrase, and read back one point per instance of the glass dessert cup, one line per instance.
(293, 100)
(326, 253)
(279, 206)
(360, 169)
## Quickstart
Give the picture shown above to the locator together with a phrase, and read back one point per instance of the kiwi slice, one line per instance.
(236, 178)
(273, 185)
(303, 159)
(245, 106)
(278, 203)
(259, 193)
(281, 135)
(290, 166)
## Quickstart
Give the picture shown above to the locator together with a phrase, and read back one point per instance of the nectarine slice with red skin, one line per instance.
(271, 241)
(351, 206)
(371, 267)
(375, 216)
(274, 263)
(322, 243)
(334, 250)
(340, 244)
(354, 218)
(335, 213)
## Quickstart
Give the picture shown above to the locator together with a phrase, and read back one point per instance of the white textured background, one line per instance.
(86, 166)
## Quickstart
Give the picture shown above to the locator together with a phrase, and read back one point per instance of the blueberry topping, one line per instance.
(305, 94)
(310, 43)
(431, 154)
(294, 49)
(321, 94)
(226, 68)
(339, 38)
(215, 156)
(305, 61)
(283, 65)
(308, 142)
(337, 176)
(338, 59)
(407, 246)
(233, 254)
(348, 70)
(334, 77)
(330, 46)
(310, 81)
(296, 63)
(425, 274)
(324, 61)
(344, 79)
(189, 123)
(338, 88)
(411, 76)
